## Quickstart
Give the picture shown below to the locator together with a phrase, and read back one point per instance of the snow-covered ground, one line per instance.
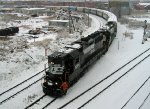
(122, 50)
(25, 62)
(142, 19)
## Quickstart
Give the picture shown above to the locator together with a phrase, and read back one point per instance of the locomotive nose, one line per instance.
(54, 88)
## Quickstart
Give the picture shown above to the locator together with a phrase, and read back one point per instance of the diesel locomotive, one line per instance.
(65, 67)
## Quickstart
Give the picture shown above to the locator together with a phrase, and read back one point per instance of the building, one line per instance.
(120, 8)
(142, 6)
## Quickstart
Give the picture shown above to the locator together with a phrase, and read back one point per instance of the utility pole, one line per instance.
(69, 11)
(145, 27)
(88, 13)
(88, 18)
(69, 21)
(144, 33)
(84, 3)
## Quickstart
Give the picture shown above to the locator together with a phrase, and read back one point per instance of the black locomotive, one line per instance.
(67, 66)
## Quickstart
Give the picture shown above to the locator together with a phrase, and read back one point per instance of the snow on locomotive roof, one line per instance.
(75, 46)
(59, 20)
(66, 50)
(69, 48)
(112, 17)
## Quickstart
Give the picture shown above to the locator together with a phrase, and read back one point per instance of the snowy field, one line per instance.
(122, 50)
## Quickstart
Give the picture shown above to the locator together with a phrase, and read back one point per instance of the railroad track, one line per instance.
(96, 95)
(135, 93)
(38, 100)
(100, 82)
(144, 101)
(72, 100)
(49, 103)
(8, 96)
(35, 101)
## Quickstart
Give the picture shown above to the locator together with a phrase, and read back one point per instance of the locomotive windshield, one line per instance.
(56, 66)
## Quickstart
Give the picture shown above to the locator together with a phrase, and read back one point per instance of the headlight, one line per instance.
(51, 62)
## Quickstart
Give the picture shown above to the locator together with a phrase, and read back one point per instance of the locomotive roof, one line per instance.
(57, 55)
(74, 46)
(71, 50)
